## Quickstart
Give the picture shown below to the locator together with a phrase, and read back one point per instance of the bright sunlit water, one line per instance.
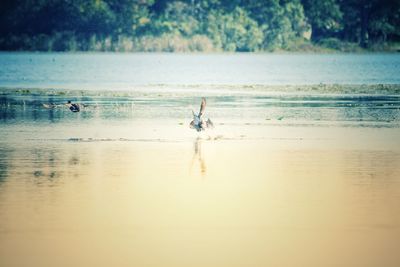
(290, 176)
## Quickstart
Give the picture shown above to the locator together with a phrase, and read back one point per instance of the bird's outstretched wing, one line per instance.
(202, 106)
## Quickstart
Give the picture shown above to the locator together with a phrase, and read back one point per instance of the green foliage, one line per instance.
(324, 17)
(178, 19)
(338, 45)
(234, 31)
(196, 25)
(281, 21)
(173, 43)
(368, 22)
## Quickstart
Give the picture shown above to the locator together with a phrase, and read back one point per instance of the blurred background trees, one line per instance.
(198, 25)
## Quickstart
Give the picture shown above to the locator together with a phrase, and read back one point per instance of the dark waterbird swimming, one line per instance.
(198, 123)
(73, 107)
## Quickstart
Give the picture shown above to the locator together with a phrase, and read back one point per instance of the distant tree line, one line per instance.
(197, 25)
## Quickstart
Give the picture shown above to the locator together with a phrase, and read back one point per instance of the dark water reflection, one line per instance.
(6, 154)
(40, 164)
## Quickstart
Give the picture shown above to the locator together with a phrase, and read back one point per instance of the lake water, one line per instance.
(295, 173)
(124, 71)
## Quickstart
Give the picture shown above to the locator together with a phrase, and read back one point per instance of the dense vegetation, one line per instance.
(198, 25)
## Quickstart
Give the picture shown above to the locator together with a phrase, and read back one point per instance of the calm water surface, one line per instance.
(202, 203)
(122, 71)
(295, 178)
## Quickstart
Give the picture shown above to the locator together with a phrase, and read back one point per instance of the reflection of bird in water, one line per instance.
(198, 123)
(199, 154)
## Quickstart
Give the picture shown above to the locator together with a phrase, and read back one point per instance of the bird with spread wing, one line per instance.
(198, 123)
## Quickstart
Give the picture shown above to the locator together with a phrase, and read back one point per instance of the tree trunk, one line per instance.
(316, 34)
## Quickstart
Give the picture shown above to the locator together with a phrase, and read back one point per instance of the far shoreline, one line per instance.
(160, 90)
(319, 51)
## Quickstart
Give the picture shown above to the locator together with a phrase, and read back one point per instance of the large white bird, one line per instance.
(198, 123)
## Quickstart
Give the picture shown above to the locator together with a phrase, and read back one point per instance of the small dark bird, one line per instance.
(198, 123)
(73, 107)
